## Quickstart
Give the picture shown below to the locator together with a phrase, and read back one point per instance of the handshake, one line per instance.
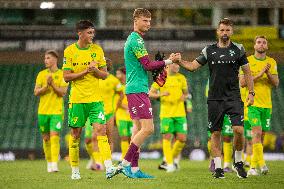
(175, 57)
(160, 75)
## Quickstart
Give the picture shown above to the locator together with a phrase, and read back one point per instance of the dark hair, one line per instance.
(122, 69)
(226, 21)
(260, 36)
(139, 12)
(52, 53)
(84, 24)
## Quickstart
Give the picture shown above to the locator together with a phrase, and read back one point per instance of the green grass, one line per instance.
(32, 174)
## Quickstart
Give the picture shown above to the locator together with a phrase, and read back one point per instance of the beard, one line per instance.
(261, 51)
(225, 38)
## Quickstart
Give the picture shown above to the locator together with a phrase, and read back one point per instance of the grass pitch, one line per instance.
(32, 174)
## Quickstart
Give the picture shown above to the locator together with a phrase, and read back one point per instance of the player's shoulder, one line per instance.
(70, 48)
(95, 46)
(43, 72)
(180, 75)
(238, 45)
(271, 60)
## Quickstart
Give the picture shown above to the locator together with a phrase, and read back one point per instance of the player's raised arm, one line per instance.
(153, 65)
(195, 64)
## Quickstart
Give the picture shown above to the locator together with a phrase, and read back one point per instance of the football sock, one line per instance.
(177, 148)
(89, 149)
(129, 155)
(167, 150)
(74, 151)
(104, 149)
(124, 147)
(258, 151)
(55, 148)
(228, 152)
(47, 150)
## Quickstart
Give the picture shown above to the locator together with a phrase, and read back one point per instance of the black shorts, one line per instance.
(217, 110)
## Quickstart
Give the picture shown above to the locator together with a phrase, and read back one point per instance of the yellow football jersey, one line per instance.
(122, 114)
(262, 87)
(85, 89)
(172, 105)
(50, 103)
(108, 88)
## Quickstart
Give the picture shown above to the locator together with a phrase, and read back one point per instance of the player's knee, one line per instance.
(101, 130)
(46, 138)
(167, 136)
(239, 131)
(88, 140)
(148, 130)
(182, 139)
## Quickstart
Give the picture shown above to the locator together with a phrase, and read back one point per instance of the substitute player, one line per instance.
(51, 87)
(84, 65)
(224, 59)
(265, 76)
(137, 63)
(123, 120)
(173, 120)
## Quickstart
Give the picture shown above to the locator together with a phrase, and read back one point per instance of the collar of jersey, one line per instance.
(259, 58)
(86, 48)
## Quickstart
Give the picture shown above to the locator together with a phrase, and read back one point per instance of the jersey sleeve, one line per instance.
(63, 83)
(101, 58)
(67, 60)
(184, 83)
(39, 80)
(202, 58)
(273, 69)
(243, 57)
(138, 47)
(117, 84)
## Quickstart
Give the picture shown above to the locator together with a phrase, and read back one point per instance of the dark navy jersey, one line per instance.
(224, 65)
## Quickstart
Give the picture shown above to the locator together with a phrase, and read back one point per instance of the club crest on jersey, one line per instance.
(93, 55)
(232, 53)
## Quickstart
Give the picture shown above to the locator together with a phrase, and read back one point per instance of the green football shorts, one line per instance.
(173, 125)
(79, 112)
(259, 117)
(49, 123)
(125, 128)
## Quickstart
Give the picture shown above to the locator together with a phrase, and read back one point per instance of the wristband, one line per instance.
(168, 61)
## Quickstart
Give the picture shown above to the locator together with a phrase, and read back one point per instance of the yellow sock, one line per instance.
(74, 151)
(124, 148)
(89, 149)
(209, 147)
(47, 150)
(104, 148)
(248, 159)
(178, 146)
(255, 156)
(228, 152)
(97, 157)
(55, 148)
(167, 150)
(258, 151)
